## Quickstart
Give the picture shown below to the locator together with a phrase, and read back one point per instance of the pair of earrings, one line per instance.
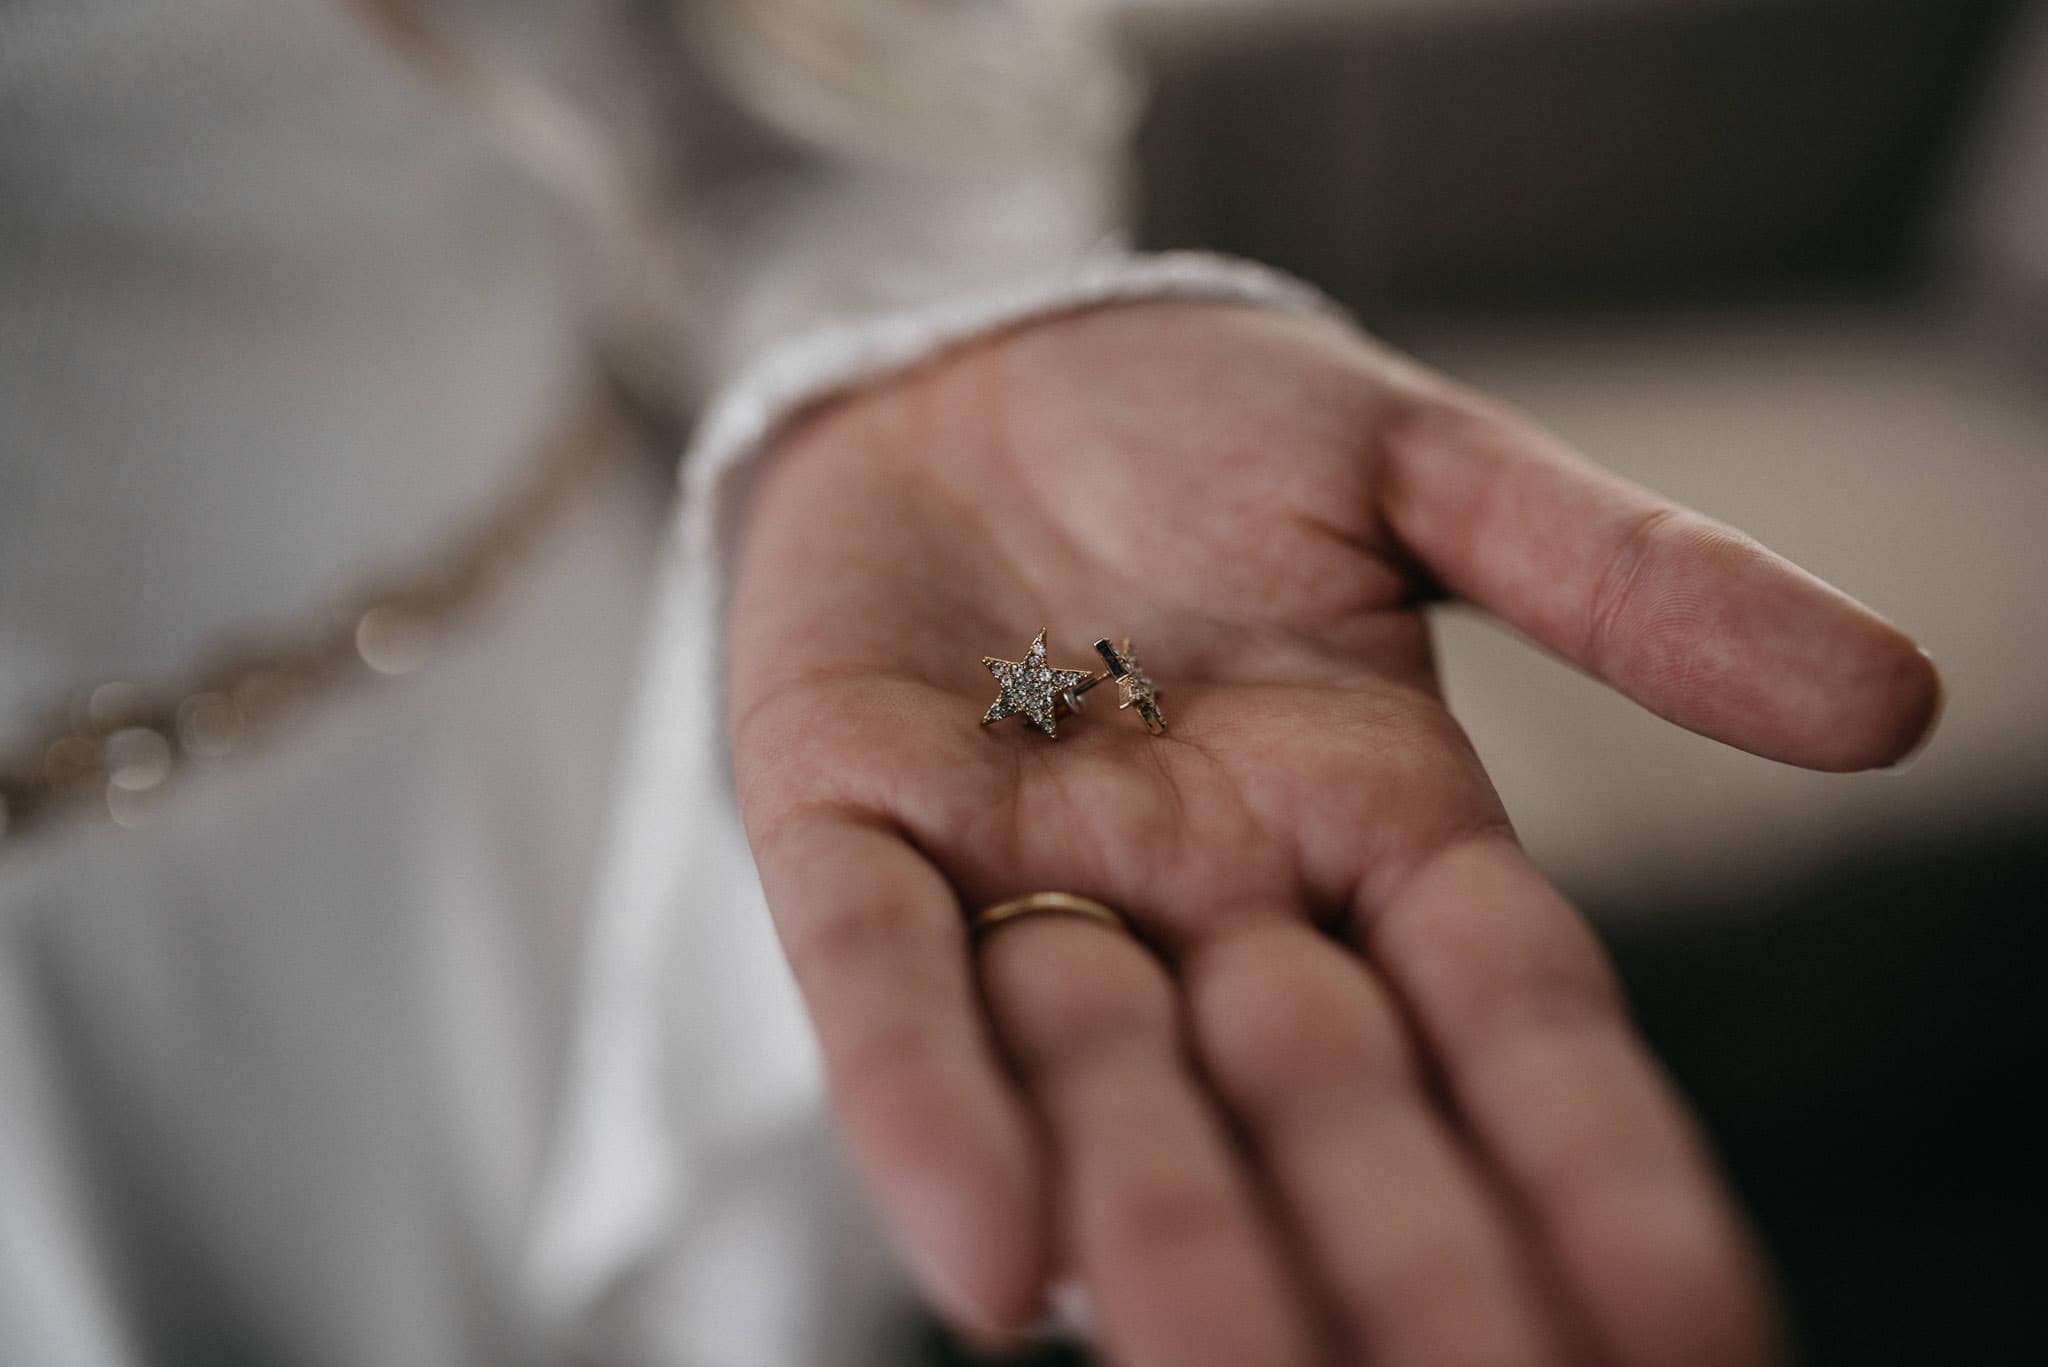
(1043, 694)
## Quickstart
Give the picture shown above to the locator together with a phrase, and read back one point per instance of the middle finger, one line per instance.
(1162, 1222)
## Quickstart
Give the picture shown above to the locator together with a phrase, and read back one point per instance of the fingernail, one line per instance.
(1071, 1311)
(1068, 1318)
(1912, 756)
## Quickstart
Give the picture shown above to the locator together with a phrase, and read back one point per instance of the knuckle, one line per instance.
(1506, 976)
(1449, 1300)
(1465, 1329)
(1428, 420)
(859, 929)
(1280, 1014)
(1156, 1214)
(1620, 574)
(798, 746)
(772, 774)
(1440, 1271)
(1064, 993)
(1597, 1129)
(1564, 1009)
(1646, 614)
(885, 1064)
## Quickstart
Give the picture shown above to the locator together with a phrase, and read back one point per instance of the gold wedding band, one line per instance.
(1049, 904)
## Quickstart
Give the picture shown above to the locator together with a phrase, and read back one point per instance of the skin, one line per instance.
(1367, 1092)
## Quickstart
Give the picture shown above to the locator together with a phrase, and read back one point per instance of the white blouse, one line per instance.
(449, 1029)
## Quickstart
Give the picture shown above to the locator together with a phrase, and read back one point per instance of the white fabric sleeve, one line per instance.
(694, 1044)
(839, 357)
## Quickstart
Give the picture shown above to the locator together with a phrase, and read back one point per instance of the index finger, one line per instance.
(1692, 619)
(1520, 1011)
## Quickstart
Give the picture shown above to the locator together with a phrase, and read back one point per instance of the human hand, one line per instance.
(1375, 1097)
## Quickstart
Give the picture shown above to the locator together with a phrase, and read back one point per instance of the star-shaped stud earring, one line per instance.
(1030, 686)
(1134, 686)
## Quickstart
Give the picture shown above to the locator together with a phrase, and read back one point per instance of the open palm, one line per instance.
(1368, 1092)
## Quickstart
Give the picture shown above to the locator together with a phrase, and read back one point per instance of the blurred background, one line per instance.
(1788, 263)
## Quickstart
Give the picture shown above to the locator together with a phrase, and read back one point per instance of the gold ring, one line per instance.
(1052, 904)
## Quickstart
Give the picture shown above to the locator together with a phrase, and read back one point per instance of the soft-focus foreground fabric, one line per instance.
(281, 1076)
(450, 1029)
